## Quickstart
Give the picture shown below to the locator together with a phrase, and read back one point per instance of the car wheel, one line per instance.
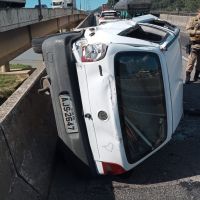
(37, 44)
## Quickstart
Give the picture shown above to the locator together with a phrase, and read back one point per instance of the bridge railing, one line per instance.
(15, 18)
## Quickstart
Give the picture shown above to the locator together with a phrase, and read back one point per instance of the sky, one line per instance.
(85, 4)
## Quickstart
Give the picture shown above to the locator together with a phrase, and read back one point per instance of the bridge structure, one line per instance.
(19, 26)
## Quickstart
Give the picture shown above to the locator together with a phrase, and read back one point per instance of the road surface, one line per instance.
(29, 58)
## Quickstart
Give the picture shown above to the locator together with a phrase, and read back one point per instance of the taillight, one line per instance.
(91, 52)
(112, 168)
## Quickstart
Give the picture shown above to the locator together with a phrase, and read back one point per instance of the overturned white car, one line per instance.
(116, 90)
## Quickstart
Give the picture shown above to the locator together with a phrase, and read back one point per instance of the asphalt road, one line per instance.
(173, 173)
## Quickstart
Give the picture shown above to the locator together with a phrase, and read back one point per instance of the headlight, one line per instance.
(91, 52)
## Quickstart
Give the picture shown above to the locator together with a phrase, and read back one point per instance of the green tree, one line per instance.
(173, 5)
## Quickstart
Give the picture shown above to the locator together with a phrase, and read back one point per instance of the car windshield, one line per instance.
(141, 102)
(145, 32)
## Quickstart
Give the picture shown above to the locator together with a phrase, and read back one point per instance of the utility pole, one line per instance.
(40, 10)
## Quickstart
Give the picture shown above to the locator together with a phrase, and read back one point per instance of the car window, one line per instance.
(145, 32)
(163, 24)
(141, 102)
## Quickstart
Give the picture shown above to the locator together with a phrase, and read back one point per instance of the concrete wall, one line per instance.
(19, 26)
(28, 139)
(177, 20)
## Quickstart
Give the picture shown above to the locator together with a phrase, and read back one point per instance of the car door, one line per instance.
(133, 91)
(143, 102)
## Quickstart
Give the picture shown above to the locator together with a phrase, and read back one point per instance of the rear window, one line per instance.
(163, 24)
(145, 32)
(141, 102)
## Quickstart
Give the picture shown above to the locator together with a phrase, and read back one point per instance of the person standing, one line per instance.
(193, 28)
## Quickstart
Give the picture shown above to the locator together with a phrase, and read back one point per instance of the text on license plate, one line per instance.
(68, 114)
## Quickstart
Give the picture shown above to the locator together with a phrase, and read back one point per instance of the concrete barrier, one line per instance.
(177, 20)
(28, 139)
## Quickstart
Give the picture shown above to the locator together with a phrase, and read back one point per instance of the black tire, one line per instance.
(37, 44)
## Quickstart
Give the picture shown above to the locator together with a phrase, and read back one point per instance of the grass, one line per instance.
(9, 83)
(19, 67)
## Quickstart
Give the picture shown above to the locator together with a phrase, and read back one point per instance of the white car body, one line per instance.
(102, 80)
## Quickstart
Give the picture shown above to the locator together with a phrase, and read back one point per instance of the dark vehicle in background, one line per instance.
(12, 3)
(133, 8)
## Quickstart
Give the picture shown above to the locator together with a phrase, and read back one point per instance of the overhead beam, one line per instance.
(14, 42)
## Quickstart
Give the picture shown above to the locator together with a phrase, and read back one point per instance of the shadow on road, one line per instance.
(68, 184)
(179, 159)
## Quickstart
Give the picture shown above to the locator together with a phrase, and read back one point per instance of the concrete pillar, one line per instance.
(5, 68)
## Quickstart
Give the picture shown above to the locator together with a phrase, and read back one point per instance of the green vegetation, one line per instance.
(171, 5)
(174, 5)
(9, 83)
(19, 67)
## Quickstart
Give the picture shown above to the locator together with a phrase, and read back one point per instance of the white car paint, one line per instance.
(99, 93)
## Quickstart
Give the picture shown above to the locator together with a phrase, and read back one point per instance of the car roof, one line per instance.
(111, 32)
(108, 33)
(117, 26)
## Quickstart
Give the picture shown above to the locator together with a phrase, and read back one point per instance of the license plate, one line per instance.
(68, 114)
